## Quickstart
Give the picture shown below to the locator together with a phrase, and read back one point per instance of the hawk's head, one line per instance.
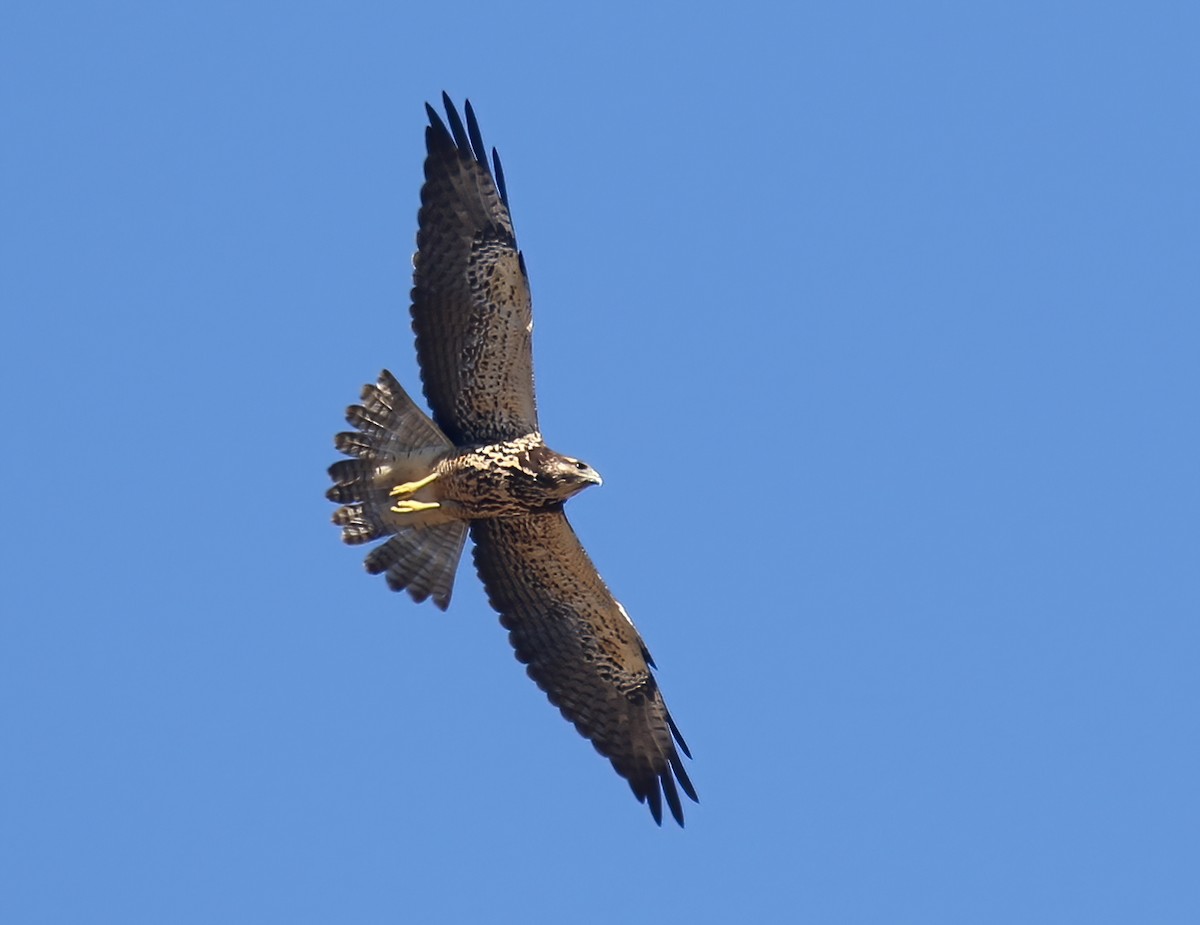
(561, 476)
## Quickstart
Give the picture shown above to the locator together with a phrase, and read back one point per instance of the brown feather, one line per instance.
(580, 648)
(421, 560)
(471, 307)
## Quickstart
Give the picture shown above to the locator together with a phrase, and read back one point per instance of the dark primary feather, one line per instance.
(472, 131)
(500, 185)
(471, 307)
(582, 650)
(456, 125)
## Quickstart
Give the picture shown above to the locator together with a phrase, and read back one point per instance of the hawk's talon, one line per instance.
(413, 507)
(410, 488)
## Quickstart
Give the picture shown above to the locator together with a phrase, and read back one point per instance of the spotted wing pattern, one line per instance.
(582, 650)
(471, 307)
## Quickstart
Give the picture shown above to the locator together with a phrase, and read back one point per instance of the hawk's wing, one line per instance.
(582, 650)
(471, 307)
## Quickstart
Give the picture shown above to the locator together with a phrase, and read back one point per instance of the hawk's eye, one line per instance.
(580, 465)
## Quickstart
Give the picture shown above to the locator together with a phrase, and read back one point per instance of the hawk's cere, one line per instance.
(480, 465)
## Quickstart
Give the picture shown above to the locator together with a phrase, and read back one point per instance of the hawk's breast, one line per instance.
(496, 480)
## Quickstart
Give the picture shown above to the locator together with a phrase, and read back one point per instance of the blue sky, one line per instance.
(881, 323)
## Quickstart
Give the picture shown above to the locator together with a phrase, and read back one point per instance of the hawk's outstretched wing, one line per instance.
(471, 307)
(582, 650)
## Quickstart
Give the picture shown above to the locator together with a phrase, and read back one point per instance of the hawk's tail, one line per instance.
(421, 559)
(395, 441)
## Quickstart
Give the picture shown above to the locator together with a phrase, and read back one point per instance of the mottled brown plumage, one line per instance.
(481, 464)
(471, 308)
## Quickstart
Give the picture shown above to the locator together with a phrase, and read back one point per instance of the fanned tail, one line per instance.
(395, 441)
(422, 560)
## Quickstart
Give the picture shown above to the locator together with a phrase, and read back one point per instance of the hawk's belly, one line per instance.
(497, 480)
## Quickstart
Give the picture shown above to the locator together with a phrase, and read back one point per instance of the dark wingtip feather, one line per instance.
(654, 795)
(475, 135)
(437, 133)
(684, 781)
(468, 139)
(672, 795)
(678, 736)
(456, 125)
(498, 172)
(647, 792)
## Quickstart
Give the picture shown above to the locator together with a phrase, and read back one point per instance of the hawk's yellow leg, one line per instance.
(411, 488)
(412, 507)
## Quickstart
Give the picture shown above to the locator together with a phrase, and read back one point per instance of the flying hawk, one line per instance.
(481, 465)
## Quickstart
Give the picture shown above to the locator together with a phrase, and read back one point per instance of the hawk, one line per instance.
(480, 465)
